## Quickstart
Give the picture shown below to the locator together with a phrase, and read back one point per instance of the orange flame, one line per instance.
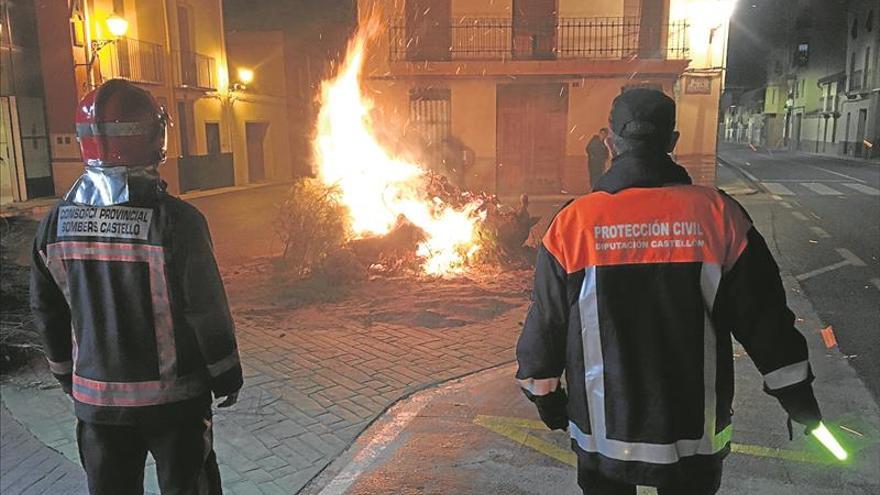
(378, 187)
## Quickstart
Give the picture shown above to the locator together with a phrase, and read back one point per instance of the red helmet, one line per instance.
(120, 124)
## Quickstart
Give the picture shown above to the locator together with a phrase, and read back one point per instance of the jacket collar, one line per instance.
(109, 186)
(641, 170)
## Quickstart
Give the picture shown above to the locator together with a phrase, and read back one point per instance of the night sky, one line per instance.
(756, 27)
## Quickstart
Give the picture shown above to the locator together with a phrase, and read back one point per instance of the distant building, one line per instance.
(224, 133)
(744, 118)
(823, 87)
(860, 109)
(522, 85)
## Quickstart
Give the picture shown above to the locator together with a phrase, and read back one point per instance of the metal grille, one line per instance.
(430, 115)
(135, 60)
(606, 38)
(195, 70)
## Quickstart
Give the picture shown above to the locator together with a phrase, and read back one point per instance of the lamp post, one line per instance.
(117, 26)
(245, 77)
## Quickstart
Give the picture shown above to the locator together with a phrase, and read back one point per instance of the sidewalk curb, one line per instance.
(317, 484)
(743, 175)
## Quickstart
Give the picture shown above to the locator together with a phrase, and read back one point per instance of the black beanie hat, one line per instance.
(643, 115)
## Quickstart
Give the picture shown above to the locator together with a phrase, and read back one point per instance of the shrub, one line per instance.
(311, 224)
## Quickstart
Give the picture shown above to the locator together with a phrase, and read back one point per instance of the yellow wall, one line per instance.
(263, 101)
(474, 98)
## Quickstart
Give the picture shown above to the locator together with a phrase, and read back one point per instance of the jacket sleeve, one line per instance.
(751, 302)
(540, 351)
(206, 309)
(51, 313)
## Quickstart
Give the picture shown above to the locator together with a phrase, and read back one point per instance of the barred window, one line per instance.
(430, 116)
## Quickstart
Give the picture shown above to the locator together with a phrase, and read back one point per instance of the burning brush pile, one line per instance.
(391, 213)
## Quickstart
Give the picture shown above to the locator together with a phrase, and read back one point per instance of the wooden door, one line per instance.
(530, 141)
(861, 135)
(534, 28)
(255, 134)
(427, 29)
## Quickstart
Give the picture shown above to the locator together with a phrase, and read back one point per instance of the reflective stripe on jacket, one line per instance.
(132, 309)
(638, 289)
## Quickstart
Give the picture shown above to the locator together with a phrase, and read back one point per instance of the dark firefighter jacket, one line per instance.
(638, 289)
(132, 309)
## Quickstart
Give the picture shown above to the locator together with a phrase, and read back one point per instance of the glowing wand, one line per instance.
(829, 442)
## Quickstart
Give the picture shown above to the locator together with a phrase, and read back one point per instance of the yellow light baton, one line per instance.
(829, 442)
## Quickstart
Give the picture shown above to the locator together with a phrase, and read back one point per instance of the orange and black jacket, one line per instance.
(639, 287)
(132, 309)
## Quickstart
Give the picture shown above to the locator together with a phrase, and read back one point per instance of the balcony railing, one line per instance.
(194, 70)
(135, 60)
(601, 38)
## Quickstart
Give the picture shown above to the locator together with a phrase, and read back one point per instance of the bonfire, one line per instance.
(379, 189)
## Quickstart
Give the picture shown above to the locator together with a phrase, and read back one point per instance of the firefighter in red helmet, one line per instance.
(131, 307)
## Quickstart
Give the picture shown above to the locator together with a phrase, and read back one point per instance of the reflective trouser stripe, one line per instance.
(539, 386)
(787, 375)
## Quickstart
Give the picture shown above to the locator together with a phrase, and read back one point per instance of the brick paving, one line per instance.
(317, 376)
(30, 467)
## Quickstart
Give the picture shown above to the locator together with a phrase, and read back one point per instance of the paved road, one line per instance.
(822, 216)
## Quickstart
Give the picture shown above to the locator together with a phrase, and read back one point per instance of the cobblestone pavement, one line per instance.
(31, 467)
(317, 376)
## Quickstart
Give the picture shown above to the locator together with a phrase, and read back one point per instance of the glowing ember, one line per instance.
(377, 187)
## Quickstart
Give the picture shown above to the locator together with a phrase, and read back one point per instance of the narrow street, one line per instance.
(822, 217)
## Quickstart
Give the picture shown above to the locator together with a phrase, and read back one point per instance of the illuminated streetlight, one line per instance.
(117, 26)
(245, 76)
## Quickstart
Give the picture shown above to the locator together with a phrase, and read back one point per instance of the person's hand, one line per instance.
(552, 409)
(229, 400)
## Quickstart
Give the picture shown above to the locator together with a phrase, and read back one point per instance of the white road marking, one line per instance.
(800, 216)
(750, 176)
(821, 189)
(778, 189)
(862, 188)
(819, 231)
(837, 173)
(820, 271)
(875, 282)
(785, 204)
(850, 257)
(387, 429)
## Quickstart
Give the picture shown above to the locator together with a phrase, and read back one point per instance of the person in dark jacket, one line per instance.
(597, 156)
(639, 289)
(131, 307)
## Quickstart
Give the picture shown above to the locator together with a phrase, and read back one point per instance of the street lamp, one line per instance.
(117, 26)
(245, 77)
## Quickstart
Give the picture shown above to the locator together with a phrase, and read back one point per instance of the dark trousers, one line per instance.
(593, 483)
(114, 456)
(596, 167)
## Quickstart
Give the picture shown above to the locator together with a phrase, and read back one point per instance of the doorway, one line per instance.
(860, 132)
(534, 29)
(798, 120)
(255, 134)
(530, 139)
